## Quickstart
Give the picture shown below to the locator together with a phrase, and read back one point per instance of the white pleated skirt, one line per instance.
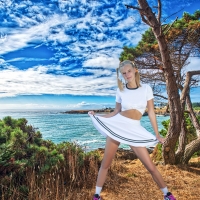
(124, 130)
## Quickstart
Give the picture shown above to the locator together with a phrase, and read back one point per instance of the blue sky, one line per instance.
(62, 54)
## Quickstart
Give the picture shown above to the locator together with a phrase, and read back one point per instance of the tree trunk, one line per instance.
(182, 143)
(190, 149)
(182, 138)
(183, 153)
(193, 117)
(194, 146)
(176, 114)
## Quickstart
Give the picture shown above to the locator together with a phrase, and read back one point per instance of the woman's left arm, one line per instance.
(152, 117)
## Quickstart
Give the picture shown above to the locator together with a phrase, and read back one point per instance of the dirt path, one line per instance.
(129, 180)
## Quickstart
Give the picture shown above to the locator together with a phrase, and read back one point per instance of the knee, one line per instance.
(105, 165)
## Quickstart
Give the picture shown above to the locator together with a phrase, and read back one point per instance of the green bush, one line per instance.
(191, 135)
(29, 163)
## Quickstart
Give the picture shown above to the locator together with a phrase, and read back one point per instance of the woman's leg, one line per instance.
(110, 150)
(144, 157)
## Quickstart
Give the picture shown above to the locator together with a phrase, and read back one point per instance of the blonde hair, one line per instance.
(137, 75)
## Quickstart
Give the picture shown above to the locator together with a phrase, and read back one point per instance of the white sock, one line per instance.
(98, 190)
(164, 190)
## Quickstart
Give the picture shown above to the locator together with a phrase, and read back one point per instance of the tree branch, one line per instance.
(133, 7)
(158, 95)
(172, 15)
(171, 25)
(190, 149)
(193, 117)
(159, 11)
(141, 13)
(165, 27)
(187, 82)
(144, 20)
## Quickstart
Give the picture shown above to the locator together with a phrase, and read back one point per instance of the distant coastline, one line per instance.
(159, 112)
(105, 110)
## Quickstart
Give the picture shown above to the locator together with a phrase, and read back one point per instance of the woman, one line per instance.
(123, 126)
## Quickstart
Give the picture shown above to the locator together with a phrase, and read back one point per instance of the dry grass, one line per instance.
(68, 180)
(128, 179)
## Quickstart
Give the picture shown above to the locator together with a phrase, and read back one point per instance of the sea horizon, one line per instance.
(69, 102)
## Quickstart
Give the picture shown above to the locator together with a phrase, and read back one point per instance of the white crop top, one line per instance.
(134, 98)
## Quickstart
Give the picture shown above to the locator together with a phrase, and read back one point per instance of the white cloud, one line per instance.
(124, 24)
(29, 106)
(86, 104)
(81, 104)
(18, 39)
(2, 61)
(3, 38)
(135, 36)
(96, 27)
(102, 61)
(100, 72)
(194, 64)
(81, 25)
(100, 36)
(9, 94)
(64, 59)
(36, 81)
(24, 59)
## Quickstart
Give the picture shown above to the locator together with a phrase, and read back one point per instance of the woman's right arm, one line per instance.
(116, 111)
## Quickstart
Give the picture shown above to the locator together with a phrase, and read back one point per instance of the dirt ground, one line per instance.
(128, 179)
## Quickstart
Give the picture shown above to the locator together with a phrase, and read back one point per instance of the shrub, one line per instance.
(28, 164)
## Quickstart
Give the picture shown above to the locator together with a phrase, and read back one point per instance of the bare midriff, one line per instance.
(132, 114)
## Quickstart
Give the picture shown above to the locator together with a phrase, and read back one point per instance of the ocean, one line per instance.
(78, 128)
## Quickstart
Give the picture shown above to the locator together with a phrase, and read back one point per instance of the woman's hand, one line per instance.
(91, 112)
(160, 139)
